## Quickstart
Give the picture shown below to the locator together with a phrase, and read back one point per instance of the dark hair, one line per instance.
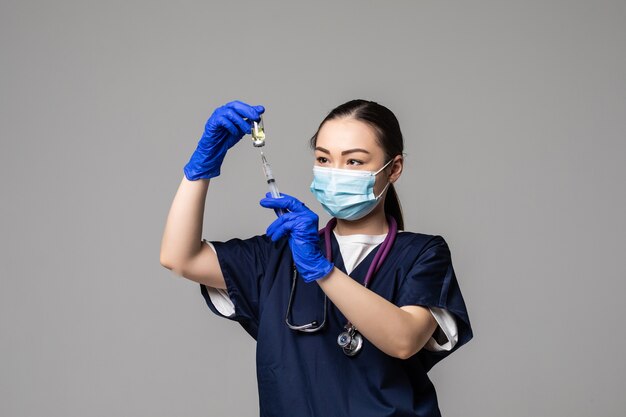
(388, 136)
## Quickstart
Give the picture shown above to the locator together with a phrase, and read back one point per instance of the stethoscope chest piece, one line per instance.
(350, 341)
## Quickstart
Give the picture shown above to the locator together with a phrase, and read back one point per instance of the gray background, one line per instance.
(514, 116)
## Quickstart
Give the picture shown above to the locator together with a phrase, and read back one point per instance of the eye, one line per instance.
(354, 162)
(321, 159)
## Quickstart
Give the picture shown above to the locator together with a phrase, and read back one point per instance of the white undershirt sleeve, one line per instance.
(446, 336)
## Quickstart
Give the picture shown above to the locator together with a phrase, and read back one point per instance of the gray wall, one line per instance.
(514, 115)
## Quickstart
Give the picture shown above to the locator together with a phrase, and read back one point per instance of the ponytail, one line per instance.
(392, 206)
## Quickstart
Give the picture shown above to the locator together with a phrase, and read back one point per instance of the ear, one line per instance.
(396, 168)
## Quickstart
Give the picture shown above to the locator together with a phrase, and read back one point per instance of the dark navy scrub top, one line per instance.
(307, 374)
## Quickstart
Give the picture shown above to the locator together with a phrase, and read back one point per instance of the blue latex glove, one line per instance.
(225, 127)
(300, 224)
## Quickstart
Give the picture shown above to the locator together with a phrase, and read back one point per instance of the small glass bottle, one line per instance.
(258, 133)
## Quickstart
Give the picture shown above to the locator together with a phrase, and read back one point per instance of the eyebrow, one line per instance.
(319, 148)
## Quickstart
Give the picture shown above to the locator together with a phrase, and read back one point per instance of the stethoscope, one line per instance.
(350, 340)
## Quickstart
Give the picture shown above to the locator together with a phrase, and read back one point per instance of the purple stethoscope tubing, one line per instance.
(380, 256)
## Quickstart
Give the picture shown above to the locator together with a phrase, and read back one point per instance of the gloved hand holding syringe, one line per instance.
(258, 140)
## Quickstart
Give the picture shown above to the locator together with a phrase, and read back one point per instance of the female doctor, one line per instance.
(348, 320)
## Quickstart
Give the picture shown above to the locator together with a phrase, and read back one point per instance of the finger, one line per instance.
(243, 125)
(269, 195)
(236, 102)
(283, 227)
(259, 108)
(245, 110)
(279, 212)
(228, 125)
(275, 230)
(275, 202)
(285, 202)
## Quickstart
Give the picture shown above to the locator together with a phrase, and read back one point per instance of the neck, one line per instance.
(374, 223)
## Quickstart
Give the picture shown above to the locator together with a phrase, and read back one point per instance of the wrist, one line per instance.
(318, 270)
(192, 173)
(203, 165)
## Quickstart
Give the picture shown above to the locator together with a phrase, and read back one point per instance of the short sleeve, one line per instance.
(431, 282)
(243, 263)
(446, 335)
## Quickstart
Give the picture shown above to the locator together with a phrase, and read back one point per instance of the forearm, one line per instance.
(387, 326)
(183, 229)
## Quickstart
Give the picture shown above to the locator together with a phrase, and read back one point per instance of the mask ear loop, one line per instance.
(384, 166)
(388, 182)
(383, 191)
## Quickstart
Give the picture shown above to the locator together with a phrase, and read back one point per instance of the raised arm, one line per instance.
(182, 248)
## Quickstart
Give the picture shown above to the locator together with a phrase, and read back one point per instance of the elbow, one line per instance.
(405, 352)
(414, 335)
(165, 257)
(409, 346)
(172, 266)
(401, 355)
(166, 263)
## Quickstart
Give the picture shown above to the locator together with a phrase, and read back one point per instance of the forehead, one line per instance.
(347, 133)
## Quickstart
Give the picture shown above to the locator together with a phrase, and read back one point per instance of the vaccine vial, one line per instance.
(258, 133)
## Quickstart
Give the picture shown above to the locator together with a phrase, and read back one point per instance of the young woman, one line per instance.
(348, 320)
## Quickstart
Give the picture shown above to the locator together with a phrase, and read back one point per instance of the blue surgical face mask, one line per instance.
(346, 193)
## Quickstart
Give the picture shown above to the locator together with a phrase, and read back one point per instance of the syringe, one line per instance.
(271, 182)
